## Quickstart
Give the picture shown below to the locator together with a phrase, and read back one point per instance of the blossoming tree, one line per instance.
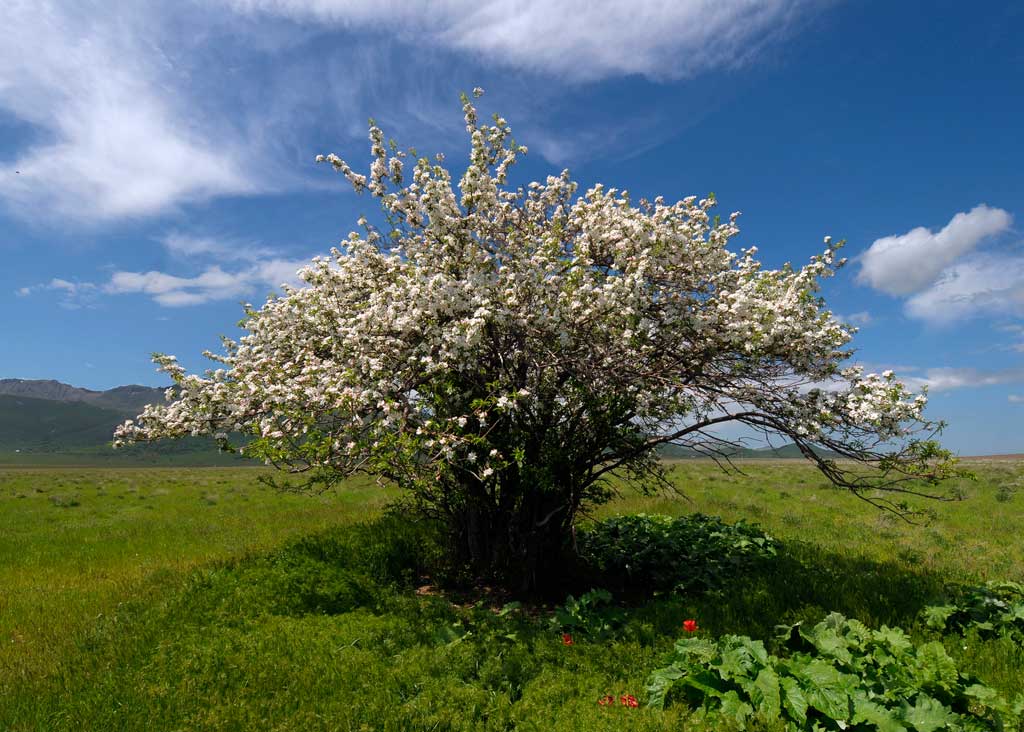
(508, 354)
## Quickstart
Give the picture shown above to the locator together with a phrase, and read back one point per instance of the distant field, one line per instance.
(145, 599)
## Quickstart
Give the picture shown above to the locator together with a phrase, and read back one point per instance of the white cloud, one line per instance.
(189, 246)
(862, 317)
(907, 263)
(985, 284)
(947, 379)
(73, 295)
(255, 270)
(118, 138)
(1015, 399)
(212, 284)
(575, 39)
(137, 108)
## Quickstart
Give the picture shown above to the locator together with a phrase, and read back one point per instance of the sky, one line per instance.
(157, 159)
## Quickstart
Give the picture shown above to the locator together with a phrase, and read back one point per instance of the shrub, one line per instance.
(662, 553)
(838, 675)
(592, 615)
(995, 609)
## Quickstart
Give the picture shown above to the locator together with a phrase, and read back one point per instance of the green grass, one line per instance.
(179, 600)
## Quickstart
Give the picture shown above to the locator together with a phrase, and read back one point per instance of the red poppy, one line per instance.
(690, 626)
(566, 639)
(606, 701)
(628, 700)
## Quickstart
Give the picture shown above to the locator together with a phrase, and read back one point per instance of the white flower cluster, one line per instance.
(491, 310)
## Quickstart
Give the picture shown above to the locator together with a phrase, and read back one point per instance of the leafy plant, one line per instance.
(664, 553)
(592, 615)
(995, 609)
(839, 674)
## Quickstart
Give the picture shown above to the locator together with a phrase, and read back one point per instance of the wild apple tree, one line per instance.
(508, 354)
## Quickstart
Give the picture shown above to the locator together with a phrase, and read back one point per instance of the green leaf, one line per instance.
(935, 667)
(742, 658)
(927, 714)
(793, 699)
(735, 708)
(865, 710)
(660, 684)
(935, 616)
(708, 683)
(826, 689)
(765, 695)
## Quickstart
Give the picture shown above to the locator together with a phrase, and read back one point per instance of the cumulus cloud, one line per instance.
(985, 284)
(907, 263)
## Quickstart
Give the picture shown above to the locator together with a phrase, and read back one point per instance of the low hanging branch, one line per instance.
(502, 352)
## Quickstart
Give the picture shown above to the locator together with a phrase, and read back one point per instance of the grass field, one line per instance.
(199, 599)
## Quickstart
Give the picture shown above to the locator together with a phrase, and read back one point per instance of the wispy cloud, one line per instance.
(1015, 399)
(118, 137)
(572, 39)
(860, 318)
(231, 270)
(212, 284)
(947, 379)
(72, 295)
(222, 249)
(136, 109)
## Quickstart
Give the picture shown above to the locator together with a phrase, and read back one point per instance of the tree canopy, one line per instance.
(506, 353)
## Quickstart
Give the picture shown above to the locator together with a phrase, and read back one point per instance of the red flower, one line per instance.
(628, 700)
(690, 626)
(606, 701)
(566, 639)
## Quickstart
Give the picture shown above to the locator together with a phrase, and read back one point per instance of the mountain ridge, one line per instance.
(128, 399)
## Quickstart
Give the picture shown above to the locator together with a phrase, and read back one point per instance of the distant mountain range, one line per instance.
(675, 452)
(48, 422)
(122, 398)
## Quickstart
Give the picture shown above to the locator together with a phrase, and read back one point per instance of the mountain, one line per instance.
(48, 422)
(675, 452)
(128, 399)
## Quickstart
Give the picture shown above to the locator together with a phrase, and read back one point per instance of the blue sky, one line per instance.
(156, 160)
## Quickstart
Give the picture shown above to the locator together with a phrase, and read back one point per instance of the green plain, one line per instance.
(199, 599)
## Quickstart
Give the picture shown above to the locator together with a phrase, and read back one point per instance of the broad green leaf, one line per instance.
(865, 710)
(793, 699)
(896, 640)
(661, 682)
(742, 658)
(829, 642)
(936, 616)
(979, 692)
(735, 708)
(927, 714)
(707, 682)
(934, 666)
(826, 689)
(764, 693)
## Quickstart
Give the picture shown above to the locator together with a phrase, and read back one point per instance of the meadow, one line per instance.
(172, 599)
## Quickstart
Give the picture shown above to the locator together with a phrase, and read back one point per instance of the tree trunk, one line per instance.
(519, 549)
